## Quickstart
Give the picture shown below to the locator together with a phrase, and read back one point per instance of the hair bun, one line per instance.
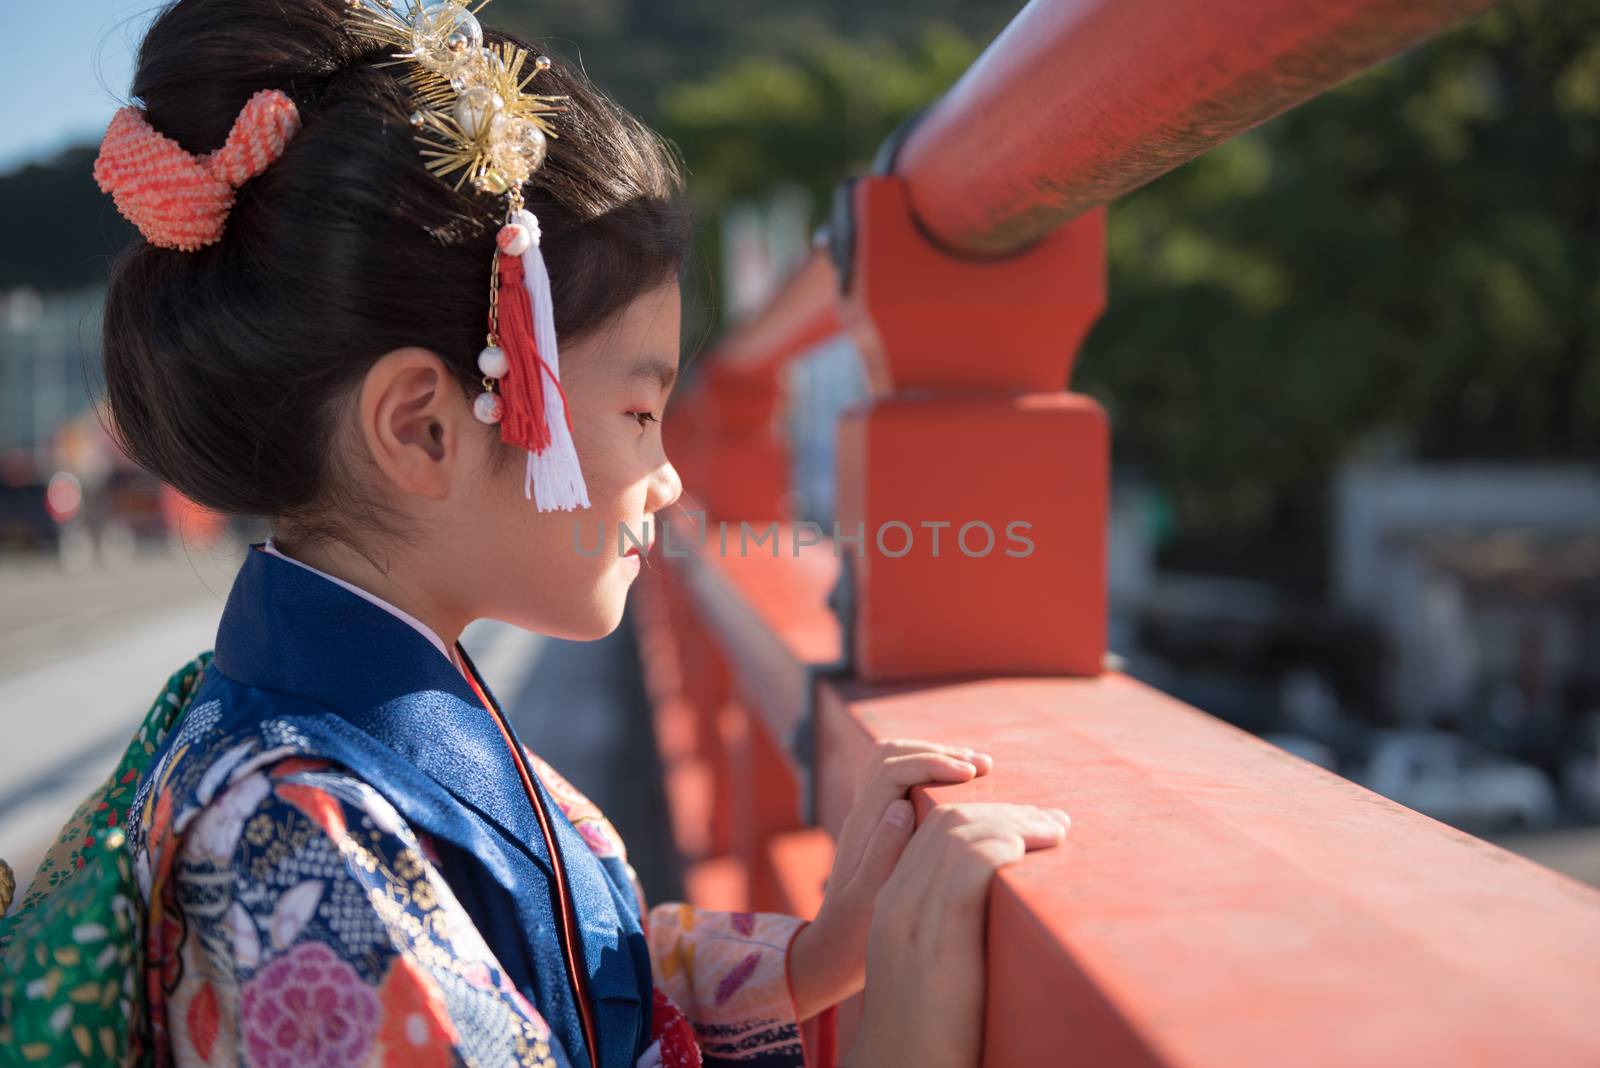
(200, 63)
(175, 198)
(225, 367)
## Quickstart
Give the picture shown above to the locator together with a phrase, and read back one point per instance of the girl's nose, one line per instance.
(665, 488)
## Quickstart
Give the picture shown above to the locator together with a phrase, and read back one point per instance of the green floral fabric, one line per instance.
(71, 991)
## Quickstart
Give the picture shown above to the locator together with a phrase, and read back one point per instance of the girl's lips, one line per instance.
(649, 542)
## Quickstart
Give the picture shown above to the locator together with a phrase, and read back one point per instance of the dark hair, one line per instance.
(225, 367)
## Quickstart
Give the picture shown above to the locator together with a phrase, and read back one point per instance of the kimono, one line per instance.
(343, 865)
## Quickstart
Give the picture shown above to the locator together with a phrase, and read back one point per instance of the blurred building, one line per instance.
(1483, 581)
(49, 365)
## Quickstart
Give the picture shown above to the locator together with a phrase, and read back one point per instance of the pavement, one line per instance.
(82, 654)
(1574, 851)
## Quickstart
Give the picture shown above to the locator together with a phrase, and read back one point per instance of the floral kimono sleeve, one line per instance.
(726, 971)
(306, 925)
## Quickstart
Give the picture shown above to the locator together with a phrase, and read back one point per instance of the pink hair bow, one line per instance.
(180, 200)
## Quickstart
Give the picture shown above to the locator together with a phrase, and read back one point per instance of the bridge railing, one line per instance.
(1218, 902)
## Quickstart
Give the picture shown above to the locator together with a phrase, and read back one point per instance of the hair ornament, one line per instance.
(177, 199)
(478, 124)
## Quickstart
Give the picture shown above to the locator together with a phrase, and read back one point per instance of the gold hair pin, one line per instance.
(477, 120)
(474, 114)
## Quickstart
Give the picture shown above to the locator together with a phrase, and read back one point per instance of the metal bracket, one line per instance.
(841, 231)
(888, 153)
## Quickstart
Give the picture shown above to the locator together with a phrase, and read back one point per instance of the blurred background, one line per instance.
(1352, 361)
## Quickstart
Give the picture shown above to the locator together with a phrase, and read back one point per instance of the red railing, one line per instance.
(1219, 902)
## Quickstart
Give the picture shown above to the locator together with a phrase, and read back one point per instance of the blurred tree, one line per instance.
(60, 231)
(1413, 258)
(809, 113)
(640, 50)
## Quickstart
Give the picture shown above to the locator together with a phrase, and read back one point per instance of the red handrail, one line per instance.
(1218, 903)
(806, 315)
(1079, 101)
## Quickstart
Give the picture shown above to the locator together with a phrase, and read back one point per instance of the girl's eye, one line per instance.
(644, 417)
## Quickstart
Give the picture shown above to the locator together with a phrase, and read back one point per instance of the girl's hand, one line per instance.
(924, 1003)
(828, 958)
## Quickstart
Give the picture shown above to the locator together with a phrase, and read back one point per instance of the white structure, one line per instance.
(1375, 502)
(1439, 557)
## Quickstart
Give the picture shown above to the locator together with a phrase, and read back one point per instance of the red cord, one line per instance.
(522, 389)
(580, 990)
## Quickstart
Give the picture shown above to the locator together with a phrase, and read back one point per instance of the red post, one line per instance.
(728, 447)
(971, 427)
(727, 441)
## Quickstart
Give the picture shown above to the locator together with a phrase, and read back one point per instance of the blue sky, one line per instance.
(64, 68)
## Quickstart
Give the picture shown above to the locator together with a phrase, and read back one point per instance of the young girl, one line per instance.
(346, 856)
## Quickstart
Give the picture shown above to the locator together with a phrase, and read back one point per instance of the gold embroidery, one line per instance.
(258, 832)
(408, 864)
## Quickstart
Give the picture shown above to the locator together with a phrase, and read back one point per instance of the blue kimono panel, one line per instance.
(342, 866)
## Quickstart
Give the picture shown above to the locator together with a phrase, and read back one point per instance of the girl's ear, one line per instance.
(410, 412)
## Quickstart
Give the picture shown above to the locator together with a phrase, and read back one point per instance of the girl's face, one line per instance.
(564, 573)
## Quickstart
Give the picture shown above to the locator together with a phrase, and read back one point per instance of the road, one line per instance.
(81, 656)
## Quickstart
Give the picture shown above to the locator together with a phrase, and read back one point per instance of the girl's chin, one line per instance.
(603, 618)
(584, 614)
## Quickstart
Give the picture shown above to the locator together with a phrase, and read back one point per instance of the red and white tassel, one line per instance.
(533, 416)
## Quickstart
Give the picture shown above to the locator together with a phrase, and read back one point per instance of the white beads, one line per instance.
(493, 363)
(472, 98)
(476, 108)
(488, 408)
(513, 240)
(529, 221)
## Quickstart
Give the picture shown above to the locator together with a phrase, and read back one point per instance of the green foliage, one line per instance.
(808, 114)
(642, 50)
(811, 114)
(1414, 257)
(60, 231)
(1411, 258)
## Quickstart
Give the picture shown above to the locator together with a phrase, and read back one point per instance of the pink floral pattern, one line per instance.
(303, 924)
(584, 815)
(307, 1009)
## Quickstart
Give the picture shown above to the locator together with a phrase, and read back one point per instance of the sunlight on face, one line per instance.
(563, 573)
